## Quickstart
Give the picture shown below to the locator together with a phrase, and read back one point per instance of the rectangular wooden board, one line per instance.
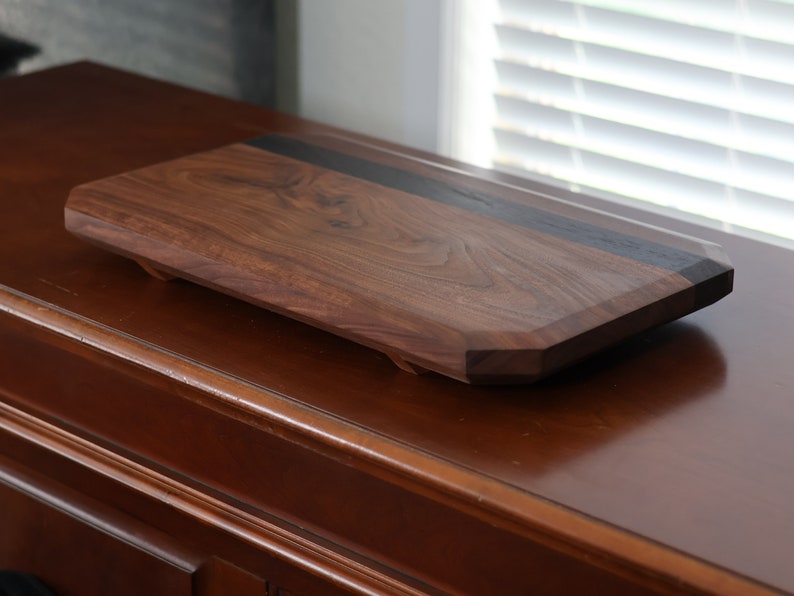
(437, 268)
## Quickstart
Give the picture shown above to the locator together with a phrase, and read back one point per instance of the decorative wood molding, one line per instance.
(547, 523)
(277, 541)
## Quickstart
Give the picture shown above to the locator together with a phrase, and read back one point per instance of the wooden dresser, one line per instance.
(162, 438)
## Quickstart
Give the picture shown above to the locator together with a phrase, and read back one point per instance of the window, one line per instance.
(686, 104)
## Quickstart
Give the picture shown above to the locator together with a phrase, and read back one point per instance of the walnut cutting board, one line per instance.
(440, 270)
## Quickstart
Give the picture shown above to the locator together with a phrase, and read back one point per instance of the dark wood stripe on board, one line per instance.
(693, 267)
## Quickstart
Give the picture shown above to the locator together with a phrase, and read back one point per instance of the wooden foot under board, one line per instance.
(156, 273)
(410, 367)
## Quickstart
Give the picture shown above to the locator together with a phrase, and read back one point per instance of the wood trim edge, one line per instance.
(565, 530)
(296, 550)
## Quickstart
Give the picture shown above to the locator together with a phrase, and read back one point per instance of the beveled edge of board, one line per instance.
(711, 276)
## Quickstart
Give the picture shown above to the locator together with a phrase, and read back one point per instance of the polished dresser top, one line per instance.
(670, 453)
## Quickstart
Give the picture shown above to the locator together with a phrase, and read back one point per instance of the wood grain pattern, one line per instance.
(478, 286)
(663, 462)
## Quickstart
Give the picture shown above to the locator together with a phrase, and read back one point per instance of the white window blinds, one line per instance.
(682, 103)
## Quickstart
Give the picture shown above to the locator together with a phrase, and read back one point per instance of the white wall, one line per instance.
(372, 66)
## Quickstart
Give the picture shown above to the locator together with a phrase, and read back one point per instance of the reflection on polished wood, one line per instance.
(245, 448)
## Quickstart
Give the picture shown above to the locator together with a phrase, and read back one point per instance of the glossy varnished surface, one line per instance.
(669, 454)
(482, 287)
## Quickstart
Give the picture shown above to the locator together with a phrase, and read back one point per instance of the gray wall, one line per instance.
(222, 46)
(372, 66)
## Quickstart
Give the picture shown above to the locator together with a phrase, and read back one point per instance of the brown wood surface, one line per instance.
(665, 462)
(431, 284)
(74, 557)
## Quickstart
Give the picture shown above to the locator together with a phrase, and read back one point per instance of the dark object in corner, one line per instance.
(12, 51)
(224, 47)
(14, 583)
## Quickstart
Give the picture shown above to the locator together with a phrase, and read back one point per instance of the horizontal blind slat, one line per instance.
(706, 124)
(720, 51)
(668, 189)
(745, 95)
(761, 19)
(740, 170)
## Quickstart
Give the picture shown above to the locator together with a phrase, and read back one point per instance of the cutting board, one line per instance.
(435, 267)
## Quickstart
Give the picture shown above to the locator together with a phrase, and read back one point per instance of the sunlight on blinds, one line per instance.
(685, 104)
